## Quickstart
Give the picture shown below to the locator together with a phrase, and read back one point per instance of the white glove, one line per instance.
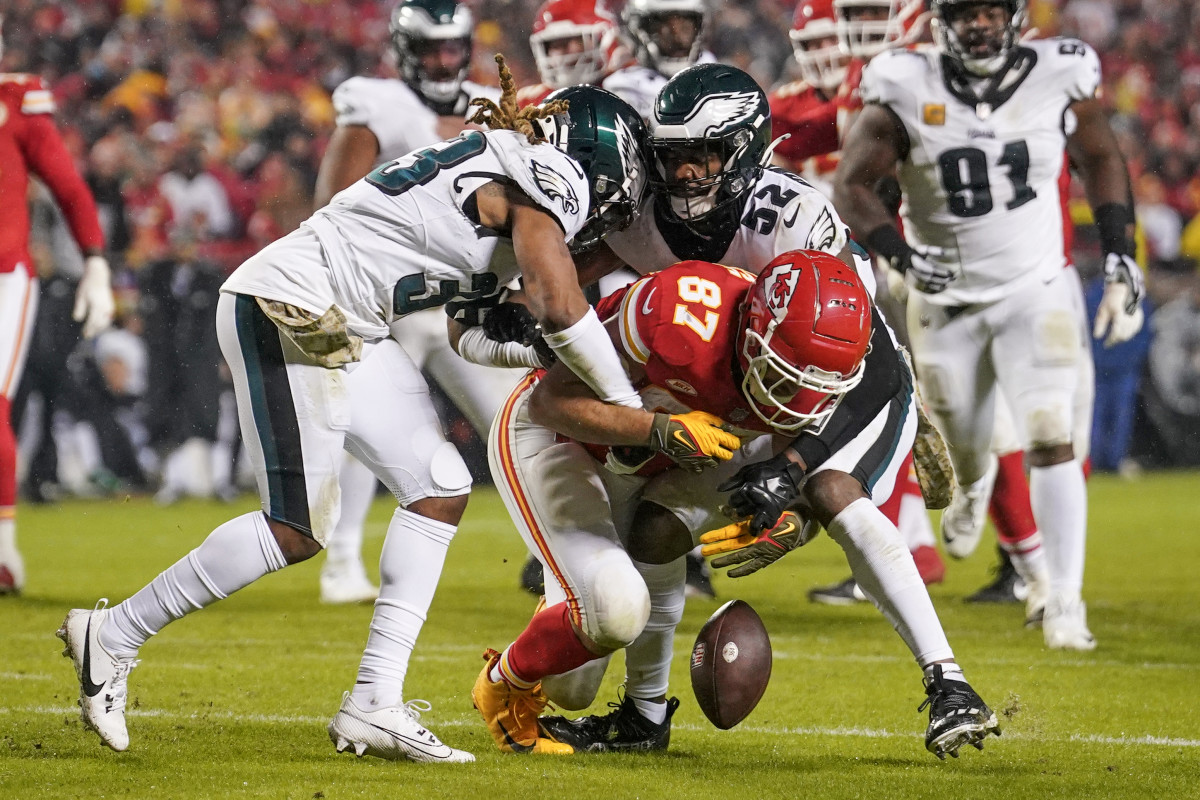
(896, 286)
(94, 304)
(1114, 317)
(1123, 269)
(927, 275)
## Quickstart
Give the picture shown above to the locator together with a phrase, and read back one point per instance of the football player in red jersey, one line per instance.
(30, 144)
(573, 42)
(775, 355)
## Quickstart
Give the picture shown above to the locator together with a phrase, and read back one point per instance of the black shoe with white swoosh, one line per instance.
(394, 733)
(103, 678)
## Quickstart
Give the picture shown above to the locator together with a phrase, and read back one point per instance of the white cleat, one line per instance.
(12, 570)
(394, 733)
(345, 582)
(103, 678)
(963, 519)
(1064, 625)
(1037, 593)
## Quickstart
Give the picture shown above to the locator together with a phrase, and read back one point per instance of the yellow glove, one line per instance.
(755, 552)
(694, 440)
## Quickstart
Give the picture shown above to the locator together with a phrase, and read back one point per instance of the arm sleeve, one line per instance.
(49, 159)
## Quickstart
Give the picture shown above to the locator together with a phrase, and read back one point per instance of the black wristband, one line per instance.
(1113, 221)
(889, 243)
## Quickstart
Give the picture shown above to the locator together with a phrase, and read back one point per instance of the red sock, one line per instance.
(547, 646)
(8, 457)
(906, 483)
(929, 564)
(1010, 509)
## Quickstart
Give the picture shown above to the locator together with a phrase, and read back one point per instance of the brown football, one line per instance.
(731, 664)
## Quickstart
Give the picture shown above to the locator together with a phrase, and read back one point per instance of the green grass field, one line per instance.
(233, 701)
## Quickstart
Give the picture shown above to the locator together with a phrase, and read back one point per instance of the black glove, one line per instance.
(927, 274)
(512, 322)
(763, 491)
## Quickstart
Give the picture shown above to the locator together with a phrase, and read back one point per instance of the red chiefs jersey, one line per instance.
(810, 120)
(30, 143)
(532, 95)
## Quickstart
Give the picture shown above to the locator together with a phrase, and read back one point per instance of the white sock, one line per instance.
(1028, 558)
(648, 659)
(8, 529)
(233, 556)
(1058, 496)
(409, 568)
(357, 483)
(914, 523)
(653, 710)
(885, 571)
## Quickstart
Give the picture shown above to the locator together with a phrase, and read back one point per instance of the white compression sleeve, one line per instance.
(587, 350)
(476, 347)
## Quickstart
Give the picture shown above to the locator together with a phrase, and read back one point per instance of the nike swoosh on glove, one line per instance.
(736, 545)
(694, 440)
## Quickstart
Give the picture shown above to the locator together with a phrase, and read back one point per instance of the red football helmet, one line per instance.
(806, 325)
(585, 33)
(815, 44)
(868, 27)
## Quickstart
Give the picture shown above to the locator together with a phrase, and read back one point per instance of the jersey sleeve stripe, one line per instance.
(631, 338)
(37, 101)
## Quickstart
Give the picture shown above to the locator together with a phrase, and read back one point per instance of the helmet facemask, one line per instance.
(817, 51)
(415, 33)
(562, 63)
(898, 24)
(981, 51)
(726, 167)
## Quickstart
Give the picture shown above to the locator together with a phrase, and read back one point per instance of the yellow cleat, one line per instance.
(511, 714)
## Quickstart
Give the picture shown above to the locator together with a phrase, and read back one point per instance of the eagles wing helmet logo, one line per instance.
(555, 186)
(719, 111)
(783, 285)
(630, 163)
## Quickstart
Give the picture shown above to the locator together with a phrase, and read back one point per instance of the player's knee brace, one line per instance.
(619, 603)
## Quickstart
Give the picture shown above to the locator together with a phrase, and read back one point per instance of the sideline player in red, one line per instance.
(574, 42)
(30, 144)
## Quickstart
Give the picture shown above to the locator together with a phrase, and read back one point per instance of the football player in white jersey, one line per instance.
(666, 36)
(974, 127)
(713, 199)
(449, 225)
(378, 120)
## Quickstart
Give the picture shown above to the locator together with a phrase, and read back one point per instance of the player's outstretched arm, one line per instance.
(1094, 152)
(874, 144)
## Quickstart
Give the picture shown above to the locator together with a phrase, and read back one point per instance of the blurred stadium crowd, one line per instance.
(200, 125)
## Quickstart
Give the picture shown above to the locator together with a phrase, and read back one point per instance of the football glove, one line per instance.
(762, 492)
(94, 304)
(735, 545)
(1119, 314)
(694, 440)
(927, 275)
(512, 322)
(627, 459)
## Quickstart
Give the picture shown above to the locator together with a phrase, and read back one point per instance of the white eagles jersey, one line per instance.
(397, 116)
(784, 213)
(639, 86)
(981, 178)
(399, 240)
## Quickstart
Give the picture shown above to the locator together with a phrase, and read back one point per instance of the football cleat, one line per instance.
(345, 581)
(623, 729)
(1006, 588)
(842, 593)
(957, 715)
(12, 570)
(1064, 625)
(394, 733)
(511, 714)
(103, 678)
(1037, 594)
(699, 577)
(963, 519)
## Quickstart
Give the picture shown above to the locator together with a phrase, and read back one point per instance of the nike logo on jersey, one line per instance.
(89, 688)
(646, 303)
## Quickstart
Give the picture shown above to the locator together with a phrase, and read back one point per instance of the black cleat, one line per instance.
(623, 729)
(1006, 588)
(532, 579)
(699, 577)
(843, 593)
(957, 716)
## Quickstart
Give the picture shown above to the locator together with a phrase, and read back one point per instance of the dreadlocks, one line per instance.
(506, 116)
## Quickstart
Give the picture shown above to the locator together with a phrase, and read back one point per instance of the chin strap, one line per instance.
(770, 151)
